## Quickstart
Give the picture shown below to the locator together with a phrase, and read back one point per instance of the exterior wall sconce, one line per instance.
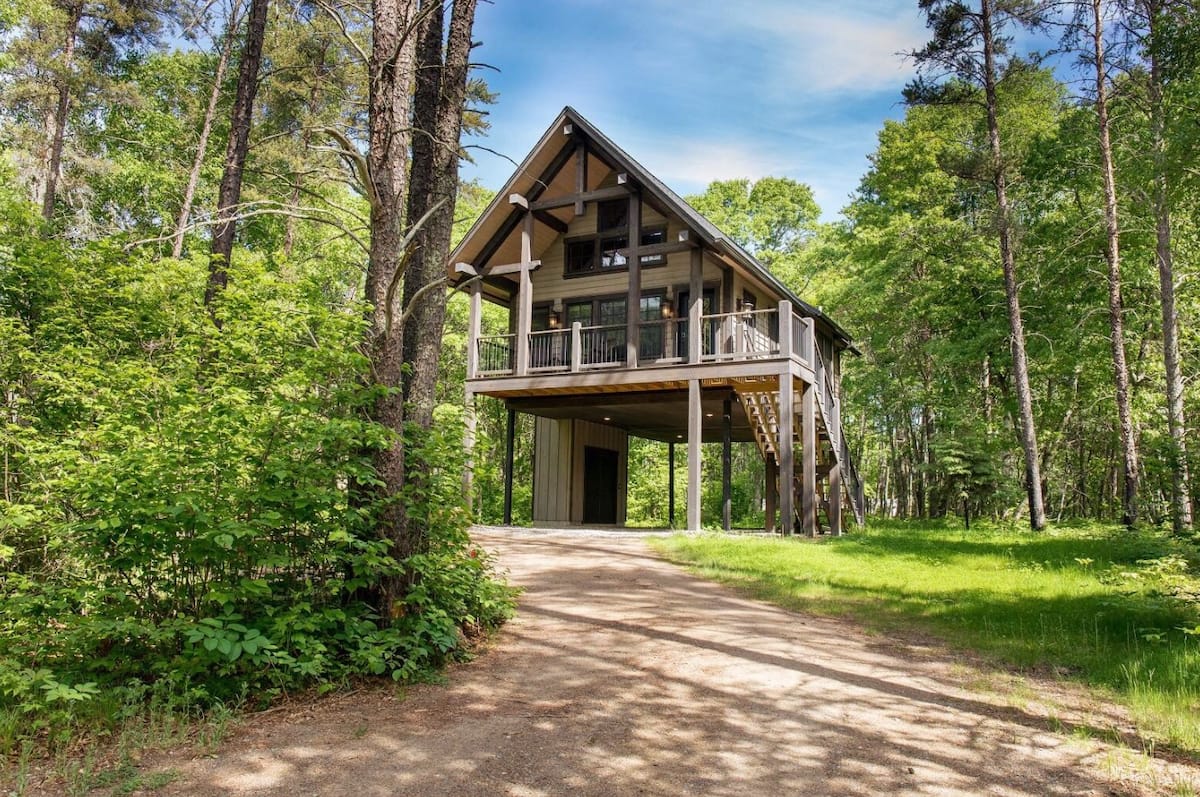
(555, 319)
(668, 309)
(747, 306)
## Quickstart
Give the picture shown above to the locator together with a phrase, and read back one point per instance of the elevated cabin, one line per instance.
(629, 313)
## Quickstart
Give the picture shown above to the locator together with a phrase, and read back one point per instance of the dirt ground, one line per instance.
(623, 675)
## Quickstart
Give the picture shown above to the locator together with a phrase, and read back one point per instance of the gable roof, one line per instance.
(539, 169)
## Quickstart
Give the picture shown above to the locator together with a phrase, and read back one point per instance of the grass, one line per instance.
(1110, 609)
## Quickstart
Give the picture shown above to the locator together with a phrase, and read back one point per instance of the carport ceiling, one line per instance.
(656, 415)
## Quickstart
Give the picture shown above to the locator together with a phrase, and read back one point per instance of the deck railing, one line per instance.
(550, 350)
(602, 346)
(742, 335)
(496, 354)
(660, 342)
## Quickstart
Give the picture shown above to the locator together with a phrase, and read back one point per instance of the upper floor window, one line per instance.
(602, 252)
(612, 216)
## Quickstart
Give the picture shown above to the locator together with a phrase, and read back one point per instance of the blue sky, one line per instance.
(700, 90)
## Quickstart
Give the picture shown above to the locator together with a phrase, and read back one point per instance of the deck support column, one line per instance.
(470, 423)
(633, 304)
(771, 492)
(835, 499)
(808, 478)
(671, 485)
(695, 429)
(510, 434)
(695, 306)
(726, 465)
(525, 289)
(787, 462)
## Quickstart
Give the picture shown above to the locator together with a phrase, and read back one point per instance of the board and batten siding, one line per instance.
(558, 487)
(551, 470)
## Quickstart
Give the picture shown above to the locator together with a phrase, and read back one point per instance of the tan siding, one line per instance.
(600, 436)
(551, 479)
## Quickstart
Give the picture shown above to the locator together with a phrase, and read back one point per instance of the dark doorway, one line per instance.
(599, 485)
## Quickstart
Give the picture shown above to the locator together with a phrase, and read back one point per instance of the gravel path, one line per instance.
(623, 675)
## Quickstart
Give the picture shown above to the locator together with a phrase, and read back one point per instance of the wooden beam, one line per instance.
(552, 222)
(695, 430)
(514, 216)
(514, 268)
(633, 302)
(474, 325)
(787, 461)
(835, 499)
(696, 305)
(599, 195)
(808, 477)
(525, 298)
(519, 201)
(657, 249)
(581, 176)
(470, 425)
(727, 464)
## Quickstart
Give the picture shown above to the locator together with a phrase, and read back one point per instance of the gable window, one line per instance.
(612, 216)
(651, 236)
(602, 252)
(580, 256)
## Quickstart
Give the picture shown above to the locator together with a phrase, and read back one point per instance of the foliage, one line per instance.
(1093, 603)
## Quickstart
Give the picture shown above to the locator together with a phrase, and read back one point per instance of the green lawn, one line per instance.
(1114, 610)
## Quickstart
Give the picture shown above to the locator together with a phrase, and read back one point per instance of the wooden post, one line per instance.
(525, 297)
(727, 465)
(576, 347)
(509, 440)
(470, 425)
(787, 462)
(580, 176)
(810, 340)
(835, 500)
(474, 325)
(772, 492)
(695, 419)
(808, 475)
(671, 485)
(785, 329)
(695, 306)
(633, 304)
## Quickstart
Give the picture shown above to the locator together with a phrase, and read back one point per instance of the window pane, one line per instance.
(613, 215)
(652, 308)
(612, 311)
(654, 235)
(581, 312)
(609, 258)
(541, 318)
(580, 256)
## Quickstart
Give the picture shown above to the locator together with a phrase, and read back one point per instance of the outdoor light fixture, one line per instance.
(555, 319)
(668, 309)
(747, 306)
(607, 418)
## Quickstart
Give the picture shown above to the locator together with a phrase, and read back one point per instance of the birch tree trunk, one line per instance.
(1028, 432)
(1181, 503)
(230, 193)
(210, 113)
(1112, 254)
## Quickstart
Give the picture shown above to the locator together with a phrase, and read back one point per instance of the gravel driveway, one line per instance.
(624, 675)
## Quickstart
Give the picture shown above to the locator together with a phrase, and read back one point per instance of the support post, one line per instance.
(695, 429)
(580, 176)
(695, 305)
(772, 492)
(671, 485)
(525, 297)
(509, 440)
(633, 304)
(576, 347)
(474, 325)
(808, 477)
(787, 462)
(785, 329)
(835, 500)
(726, 465)
(470, 425)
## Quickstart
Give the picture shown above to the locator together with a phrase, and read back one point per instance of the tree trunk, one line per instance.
(210, 113)
(57, 124)
(230, 193)
(1181, 504)
(389, 75)
(438, 112)
(1112, 253)
(1028, 432)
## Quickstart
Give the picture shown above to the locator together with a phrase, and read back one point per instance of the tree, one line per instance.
(241, 119)
(969, 45)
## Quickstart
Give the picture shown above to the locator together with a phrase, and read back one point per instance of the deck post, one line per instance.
(835, 499)
(633, 304)
(509, 440)
(787, 462)
(671, 485)
(727, 465)
(576, 347)
(695, 429)
(808, 345)
(808, 477)
(785, 329)
(771, 492)
(470, 423)
(695, 306)
(474, 321)
(525, 296)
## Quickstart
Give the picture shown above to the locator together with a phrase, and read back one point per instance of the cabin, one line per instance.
(629, 313)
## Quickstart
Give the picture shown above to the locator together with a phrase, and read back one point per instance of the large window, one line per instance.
(601, 252)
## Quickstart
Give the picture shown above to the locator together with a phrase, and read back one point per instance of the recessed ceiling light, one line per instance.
(607, 418)
(708, 415)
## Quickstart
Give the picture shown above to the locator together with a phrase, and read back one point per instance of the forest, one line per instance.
(232, 374)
